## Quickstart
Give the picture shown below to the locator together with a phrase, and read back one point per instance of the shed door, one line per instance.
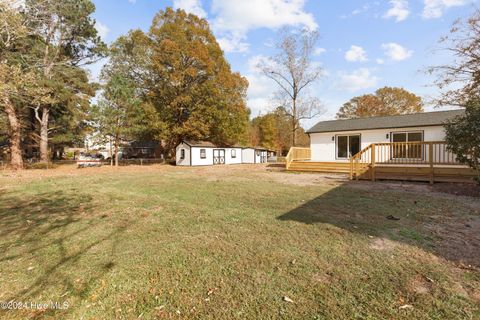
(264, 157)
(218, 156)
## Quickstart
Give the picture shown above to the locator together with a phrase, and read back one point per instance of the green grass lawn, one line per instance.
(184, 243)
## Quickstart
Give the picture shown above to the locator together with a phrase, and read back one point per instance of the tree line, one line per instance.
(44, 90)
(167, 84)
(173, 82)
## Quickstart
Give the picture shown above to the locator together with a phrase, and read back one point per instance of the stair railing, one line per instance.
(297, 154)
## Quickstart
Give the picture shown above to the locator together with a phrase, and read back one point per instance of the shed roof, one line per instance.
(399, 121)
(208, 144)
(200, 143)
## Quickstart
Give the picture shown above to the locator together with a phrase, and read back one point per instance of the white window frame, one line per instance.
(348, 145)
(406, 138)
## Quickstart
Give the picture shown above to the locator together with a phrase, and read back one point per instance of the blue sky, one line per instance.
(363, 45)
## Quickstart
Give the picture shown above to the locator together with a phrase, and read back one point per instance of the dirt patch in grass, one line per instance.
(420, 285)
(467, 192)
(307, 179)
(457, 237)
(458, 189)
(382, 244)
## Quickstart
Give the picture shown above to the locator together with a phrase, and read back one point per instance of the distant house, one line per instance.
(143, 149)
(205, 153)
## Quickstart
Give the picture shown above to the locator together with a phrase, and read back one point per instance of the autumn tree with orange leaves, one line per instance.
(179, 68)
(386, 101)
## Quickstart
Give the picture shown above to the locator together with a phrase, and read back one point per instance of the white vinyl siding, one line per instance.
(323, 145)
(186, 160)
(248, 155)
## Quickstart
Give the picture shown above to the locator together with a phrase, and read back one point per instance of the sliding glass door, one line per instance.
(347, 146)
(407, 150)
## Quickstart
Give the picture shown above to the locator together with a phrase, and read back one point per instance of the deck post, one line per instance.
(356, 169)
(351, 168)
(430, 161)
(372, 169)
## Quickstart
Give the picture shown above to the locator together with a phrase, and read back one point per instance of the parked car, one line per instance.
(86, 160)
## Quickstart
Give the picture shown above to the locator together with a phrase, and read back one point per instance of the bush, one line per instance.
(463, 136)
(70, 155)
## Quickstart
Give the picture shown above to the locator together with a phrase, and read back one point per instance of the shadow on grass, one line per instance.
(52, 232)
(432, 224)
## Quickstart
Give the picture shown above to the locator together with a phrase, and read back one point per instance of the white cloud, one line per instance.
(190, 6)
(399, 10)
(132, 1)
(355, 54)
(357, 11)
(435, 8)
(234, 43)
(102, 29)
(380, 61)
(234, 19)
(396, 52)
(319, 51)
(359, 79)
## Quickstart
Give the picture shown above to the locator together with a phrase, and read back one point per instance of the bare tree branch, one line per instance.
(459, 80)
(293, 70)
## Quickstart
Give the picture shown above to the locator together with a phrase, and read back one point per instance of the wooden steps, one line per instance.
(328, 167)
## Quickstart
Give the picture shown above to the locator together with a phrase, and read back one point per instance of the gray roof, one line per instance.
(208, 144)
(400, 121)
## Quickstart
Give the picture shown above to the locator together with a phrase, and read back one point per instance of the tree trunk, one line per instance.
(44, 156)
(110, 151)
(294, 123)
(16, 160)
(116, 151)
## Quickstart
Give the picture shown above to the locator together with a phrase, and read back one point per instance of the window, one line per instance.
(414, 151)
(203, 153)
(258, 153)
(182, 154)
(234, 153)
(348, 146)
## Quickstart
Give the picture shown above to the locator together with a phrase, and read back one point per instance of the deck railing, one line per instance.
(297, 154)
(424, 153)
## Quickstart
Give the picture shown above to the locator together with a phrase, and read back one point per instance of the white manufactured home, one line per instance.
(339, 140)
(205, 153)
(403, 147)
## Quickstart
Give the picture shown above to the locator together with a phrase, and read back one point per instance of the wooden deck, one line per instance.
(432, 163)
(389, 172)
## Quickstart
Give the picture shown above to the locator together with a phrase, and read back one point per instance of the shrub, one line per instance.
(463, 136)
